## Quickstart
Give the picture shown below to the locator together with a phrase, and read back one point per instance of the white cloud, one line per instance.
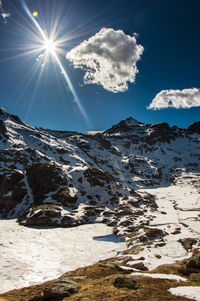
(109, 59)
(186, 98)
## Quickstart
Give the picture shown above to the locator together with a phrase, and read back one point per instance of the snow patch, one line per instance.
(191, 292)
(160, 276)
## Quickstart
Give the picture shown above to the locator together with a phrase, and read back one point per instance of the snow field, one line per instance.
(32, 255)
(169, 199)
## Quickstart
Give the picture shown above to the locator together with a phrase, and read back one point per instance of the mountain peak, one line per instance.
(124, 126)
(131, 121)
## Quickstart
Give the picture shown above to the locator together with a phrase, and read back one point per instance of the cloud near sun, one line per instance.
(109, 58)
(186, 98)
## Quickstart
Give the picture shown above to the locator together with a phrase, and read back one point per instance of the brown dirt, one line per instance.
(96, 284)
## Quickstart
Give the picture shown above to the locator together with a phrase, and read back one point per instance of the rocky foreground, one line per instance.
(108, 281)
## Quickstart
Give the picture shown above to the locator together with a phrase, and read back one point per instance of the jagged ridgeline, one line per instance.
(63, 178)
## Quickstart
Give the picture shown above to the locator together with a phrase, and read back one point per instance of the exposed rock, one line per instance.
(194, 262)
(97, 177)
(102, 141)
(148, 234)
(123, 126)
(42, 215)
(60, 290)
(125, 282)
(3, 129)
(176, 231)
(158, 256)
(160, 132)
(188, 243)
(69, 221)
(131, 151)
(194, 128)
(43, 179)
(160, 244)
(139, 266)
(98, 285)
(93, 210)
(12, 190)
(65, 198)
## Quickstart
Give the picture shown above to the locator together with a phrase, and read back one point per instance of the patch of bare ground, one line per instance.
(96, 283)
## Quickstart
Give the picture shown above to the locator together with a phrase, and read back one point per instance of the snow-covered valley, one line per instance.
(33, 255)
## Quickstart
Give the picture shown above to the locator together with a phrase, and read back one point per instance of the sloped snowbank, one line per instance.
(191, 292)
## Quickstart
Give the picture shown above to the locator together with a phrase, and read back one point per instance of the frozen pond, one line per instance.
(29, 255)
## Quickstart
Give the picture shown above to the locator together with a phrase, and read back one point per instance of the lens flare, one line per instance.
(48, 44)
(35, 14)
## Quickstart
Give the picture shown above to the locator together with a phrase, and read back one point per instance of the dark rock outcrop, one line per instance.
(3, 129)
(97, 177)
(194, 128)
(65, 198)
(12, 191)
(44, 178)
(104, 143)
(194, 262)
(125, 282)
(139, 266)
(188, 243)
(42, 215)
(60, 290)
(160, 132)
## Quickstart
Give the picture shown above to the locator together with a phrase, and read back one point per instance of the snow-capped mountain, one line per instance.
(140, 179)
(66, 178)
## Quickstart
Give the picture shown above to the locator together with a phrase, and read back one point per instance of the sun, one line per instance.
(50, 46)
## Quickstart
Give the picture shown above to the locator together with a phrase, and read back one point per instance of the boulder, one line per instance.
(151, 234)
(194, 262)
(157, 256)
(125, 282)
(139, 266)
(60, 290)
(43, 215)
(49, 215)
(188, 243)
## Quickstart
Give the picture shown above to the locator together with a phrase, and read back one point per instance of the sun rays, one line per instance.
(42, 42)
(50, 46)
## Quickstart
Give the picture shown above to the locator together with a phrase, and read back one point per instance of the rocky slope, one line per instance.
(108, 282)
(67, 179)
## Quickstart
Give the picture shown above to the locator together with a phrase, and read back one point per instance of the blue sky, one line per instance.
(167, 32)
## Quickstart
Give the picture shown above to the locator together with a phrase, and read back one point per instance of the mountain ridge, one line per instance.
(127, 156)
